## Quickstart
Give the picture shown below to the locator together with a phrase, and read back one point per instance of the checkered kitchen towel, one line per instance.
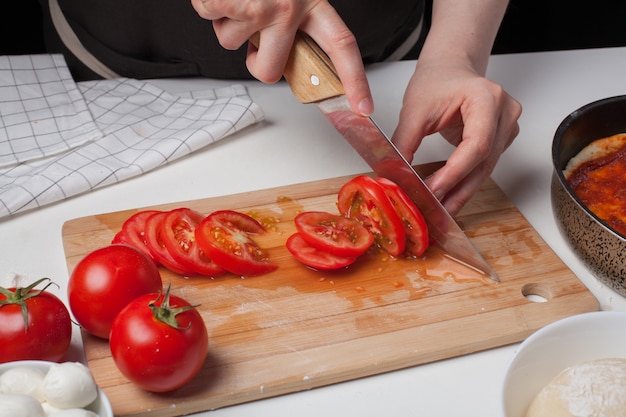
(59, 138)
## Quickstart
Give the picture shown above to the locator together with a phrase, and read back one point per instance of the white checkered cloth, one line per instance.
(59, 138)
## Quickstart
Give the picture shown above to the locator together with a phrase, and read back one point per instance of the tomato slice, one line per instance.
(315, 258)
(339, 235)
(178, 237)
(365, 200)
(154, 242)
(133, 232)
(415, 226)
(225, 236)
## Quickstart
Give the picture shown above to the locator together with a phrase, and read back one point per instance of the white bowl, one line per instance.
(557, 346)
(101, 405)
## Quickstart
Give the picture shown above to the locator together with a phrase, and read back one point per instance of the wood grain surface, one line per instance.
(296, 329)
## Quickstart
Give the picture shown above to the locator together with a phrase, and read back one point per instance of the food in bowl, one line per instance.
(546, 353)
(597, 176)
(41, 388)
(599, 246)
(593, 388)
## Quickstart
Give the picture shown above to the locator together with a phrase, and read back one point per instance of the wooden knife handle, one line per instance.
(309, 72)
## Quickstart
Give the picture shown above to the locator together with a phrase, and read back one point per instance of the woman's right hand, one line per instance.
(277, 21)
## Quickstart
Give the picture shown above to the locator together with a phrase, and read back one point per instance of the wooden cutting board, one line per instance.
(296, 329)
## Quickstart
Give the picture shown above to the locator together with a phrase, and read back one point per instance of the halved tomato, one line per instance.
(365, 200)
(316, 258)
(225, 236)
(415, 226)
(339, 235)
(133, 232)
(178, 236)
(154, 242)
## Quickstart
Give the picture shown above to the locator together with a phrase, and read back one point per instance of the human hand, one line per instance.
(469, 111)
(277, 21)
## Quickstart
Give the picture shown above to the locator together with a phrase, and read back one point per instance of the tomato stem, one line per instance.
(165, 313)
(20, 295)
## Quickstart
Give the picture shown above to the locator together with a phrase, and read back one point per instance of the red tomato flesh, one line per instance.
(315, 258)
(178, 236)
(365, 200)
(415, 227)
(133, 232)
(226, 237)
(154, 242)
(339, 235)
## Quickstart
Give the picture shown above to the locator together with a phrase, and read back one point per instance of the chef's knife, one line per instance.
(313, 79)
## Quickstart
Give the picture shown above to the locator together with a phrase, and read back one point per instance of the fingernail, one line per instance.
(437, 192)
(366, 107)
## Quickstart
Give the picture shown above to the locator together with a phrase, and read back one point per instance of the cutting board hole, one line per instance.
(536, 293)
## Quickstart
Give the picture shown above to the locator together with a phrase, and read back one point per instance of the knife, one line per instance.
(313, 79)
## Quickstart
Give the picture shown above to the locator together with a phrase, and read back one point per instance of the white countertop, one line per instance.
(296, 144)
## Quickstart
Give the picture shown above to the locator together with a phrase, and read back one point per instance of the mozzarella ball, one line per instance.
(20, 405)
(23, 380)
(69, 385)
(48, 409)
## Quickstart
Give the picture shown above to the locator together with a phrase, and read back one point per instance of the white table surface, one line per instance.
(295, 144)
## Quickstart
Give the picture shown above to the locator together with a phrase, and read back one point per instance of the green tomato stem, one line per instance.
(165, 313)
(21, 295)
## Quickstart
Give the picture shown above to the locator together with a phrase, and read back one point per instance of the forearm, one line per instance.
(464, 30)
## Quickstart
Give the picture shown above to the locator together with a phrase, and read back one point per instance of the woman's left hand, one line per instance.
(471, 112)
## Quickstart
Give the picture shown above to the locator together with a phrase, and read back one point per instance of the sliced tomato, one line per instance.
(133, 232)
(178, 236)
(339, 235)
(415, 226)
(154, 242)
(226, 237)
(315, 258)
(365, 200)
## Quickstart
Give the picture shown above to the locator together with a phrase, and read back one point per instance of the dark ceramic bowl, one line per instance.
(598, 245)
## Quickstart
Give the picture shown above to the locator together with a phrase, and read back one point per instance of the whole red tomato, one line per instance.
(35, 325)
(159, 342)
(105, 281)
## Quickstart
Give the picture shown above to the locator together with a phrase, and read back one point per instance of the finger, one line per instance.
(327, 28)
(455, 186)
(410, 132)
(267, 62)
(204, 10)
(231, 33)
(479, 134)
(462, 192)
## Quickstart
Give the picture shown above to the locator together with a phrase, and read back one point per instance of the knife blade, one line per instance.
(313, 79)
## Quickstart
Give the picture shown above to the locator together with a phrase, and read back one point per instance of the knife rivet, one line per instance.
(315, 80)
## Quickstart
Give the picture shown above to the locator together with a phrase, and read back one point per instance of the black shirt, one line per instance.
(166, 38)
